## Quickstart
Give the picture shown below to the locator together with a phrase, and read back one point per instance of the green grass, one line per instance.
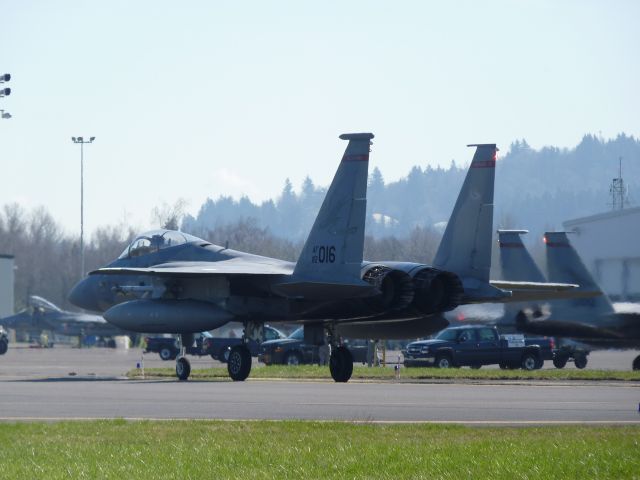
(294, 450)
(365, 373)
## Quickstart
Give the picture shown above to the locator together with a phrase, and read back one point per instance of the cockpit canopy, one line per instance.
(156, 240)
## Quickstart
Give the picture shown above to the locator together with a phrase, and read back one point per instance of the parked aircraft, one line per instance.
(171, 282)
(594, 321)
(41, 315)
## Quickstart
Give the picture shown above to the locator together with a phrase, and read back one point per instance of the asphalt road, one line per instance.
(36, 384)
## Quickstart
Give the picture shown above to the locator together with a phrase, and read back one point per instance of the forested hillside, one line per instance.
(535, 189)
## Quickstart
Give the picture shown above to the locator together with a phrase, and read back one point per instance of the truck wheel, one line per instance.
(4, 346)
(166, 353)
(560, 361)
(292, 358)
(580, 360)
(636, 363)
(529, 361)
(443, 361)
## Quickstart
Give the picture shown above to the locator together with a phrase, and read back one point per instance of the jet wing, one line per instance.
(196, 269)
(540, 291)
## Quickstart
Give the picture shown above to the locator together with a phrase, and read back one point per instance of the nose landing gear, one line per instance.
(183, 366)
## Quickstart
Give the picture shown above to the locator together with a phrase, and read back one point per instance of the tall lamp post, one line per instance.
(82, 141)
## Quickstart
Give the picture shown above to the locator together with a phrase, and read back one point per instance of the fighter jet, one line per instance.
(591, 319)
(171, 282)
(41, 315)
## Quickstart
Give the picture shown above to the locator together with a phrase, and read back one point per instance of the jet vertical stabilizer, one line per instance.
(332, 254)
(465, 248)
(564, 265)
(515, 260)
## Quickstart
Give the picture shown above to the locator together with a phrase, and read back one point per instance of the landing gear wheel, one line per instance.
(580, 360)
(529, 361)
(239, 363)
(443, 361)
(166, 353)
(341, 364)
(560, 361)
(183, 368)
(4, 346)
(292, 358)
(636, 363)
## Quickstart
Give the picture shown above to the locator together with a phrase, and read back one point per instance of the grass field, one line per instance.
(365, 373)
(295, 450)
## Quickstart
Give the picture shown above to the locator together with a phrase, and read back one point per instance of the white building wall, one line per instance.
(609, 244)
(6, 285)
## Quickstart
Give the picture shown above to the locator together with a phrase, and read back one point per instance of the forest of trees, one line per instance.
(535, 189)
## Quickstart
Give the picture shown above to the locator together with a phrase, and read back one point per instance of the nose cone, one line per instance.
(85, 294)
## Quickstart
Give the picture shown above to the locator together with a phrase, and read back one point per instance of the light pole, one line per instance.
(82, 141)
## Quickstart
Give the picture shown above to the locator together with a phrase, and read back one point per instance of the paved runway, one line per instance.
(28, 399)
(64, 383)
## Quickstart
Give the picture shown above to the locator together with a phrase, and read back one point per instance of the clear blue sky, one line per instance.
(202, 98)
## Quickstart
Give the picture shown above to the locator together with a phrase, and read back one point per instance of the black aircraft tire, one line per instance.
(443, 361)
(183, 368)
(239, 363)
(560, 361)
(166, 354)
(636, 363)
(529, 362)
(4, 346)
(341, 364)
(580, 361)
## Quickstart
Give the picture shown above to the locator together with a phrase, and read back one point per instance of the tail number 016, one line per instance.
(324, 254)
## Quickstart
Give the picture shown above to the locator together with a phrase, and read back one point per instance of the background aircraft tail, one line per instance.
(517, 265)
(465, 248)
(564, 265)
(333, 250)
(516, 261)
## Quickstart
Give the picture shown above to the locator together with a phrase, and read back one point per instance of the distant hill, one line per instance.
(535, 189)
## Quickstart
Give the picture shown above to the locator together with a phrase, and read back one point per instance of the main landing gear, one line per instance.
(183, 366)
(239, 362)
(341, 360)
(636, 363)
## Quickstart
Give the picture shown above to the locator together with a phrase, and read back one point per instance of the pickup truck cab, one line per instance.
(477, 345)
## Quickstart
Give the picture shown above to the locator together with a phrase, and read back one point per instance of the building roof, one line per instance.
(601, 216)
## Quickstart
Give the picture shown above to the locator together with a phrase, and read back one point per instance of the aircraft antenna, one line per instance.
(618, 190)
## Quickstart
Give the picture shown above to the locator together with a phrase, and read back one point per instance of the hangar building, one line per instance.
(609, 244)
(6, 285)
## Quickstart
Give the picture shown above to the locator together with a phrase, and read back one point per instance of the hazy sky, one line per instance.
(203, 98)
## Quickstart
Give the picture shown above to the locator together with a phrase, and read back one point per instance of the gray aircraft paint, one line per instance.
(333, 250)
(563, 262)
(42, 315)
(259, 289)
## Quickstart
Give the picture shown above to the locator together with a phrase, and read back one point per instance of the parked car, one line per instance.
(293, 351)
(219, 347)
(168, 347)
(206, 344)
(477, 345)
(4, 341)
